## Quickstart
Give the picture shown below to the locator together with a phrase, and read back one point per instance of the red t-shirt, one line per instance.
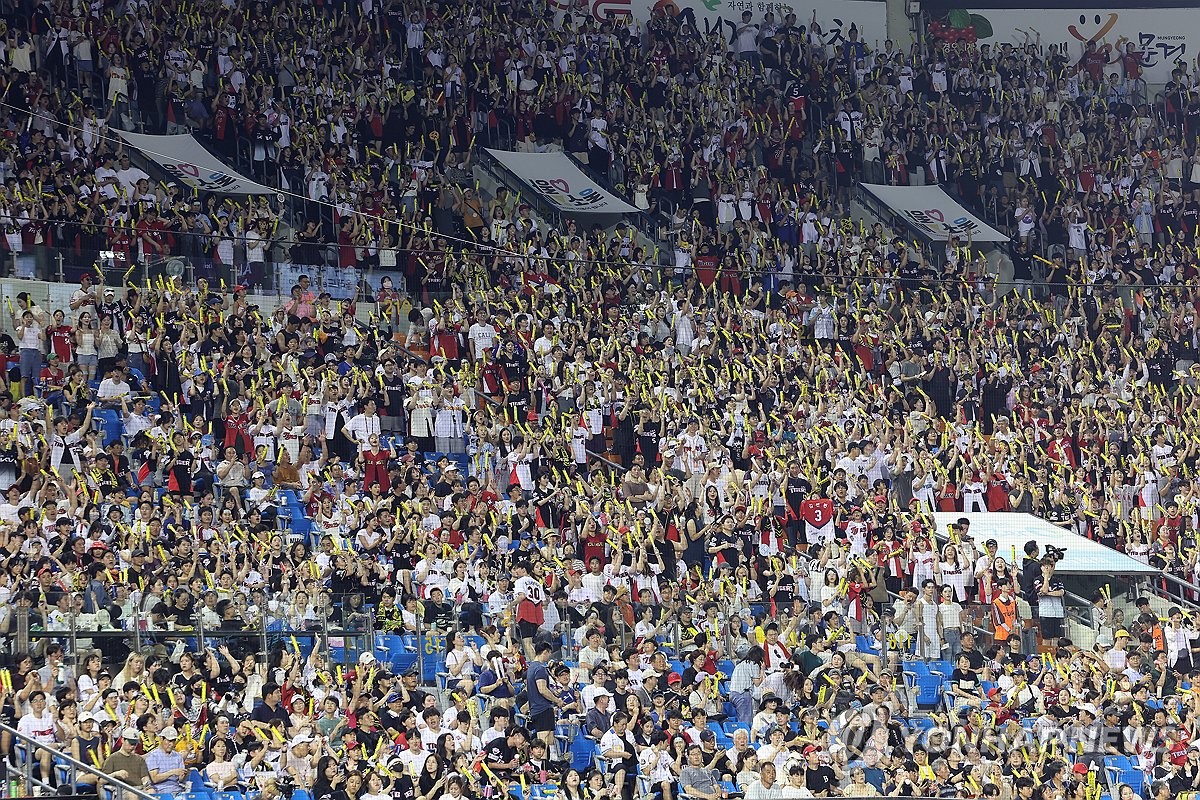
(375, 468)
(62, 338)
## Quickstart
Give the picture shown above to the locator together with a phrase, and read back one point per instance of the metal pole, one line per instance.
(420, 649)
(23, 629)
(61, 277)
(324, 632)
(262, 626)
(75, 641)
(369, 634)
(728, 648)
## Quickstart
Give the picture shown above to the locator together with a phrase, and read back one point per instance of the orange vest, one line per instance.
(1005, 613)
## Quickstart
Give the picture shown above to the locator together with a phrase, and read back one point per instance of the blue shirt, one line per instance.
(537, 701)
(156, 759)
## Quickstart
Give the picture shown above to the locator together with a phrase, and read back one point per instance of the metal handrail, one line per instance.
(611, 467)
(75, 766)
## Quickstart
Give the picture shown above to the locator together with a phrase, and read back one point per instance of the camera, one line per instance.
(1055, 553)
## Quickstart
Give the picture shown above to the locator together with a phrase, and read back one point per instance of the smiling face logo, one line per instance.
(1104, 27)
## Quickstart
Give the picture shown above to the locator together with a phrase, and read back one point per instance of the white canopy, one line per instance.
(555, 177)
(1012, 531)
(935, 214)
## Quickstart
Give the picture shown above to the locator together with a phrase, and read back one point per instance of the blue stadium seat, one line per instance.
(1119, 769)
(863, 643)
(200, 794)
(921, 724)
(918, 668)
(583, 753)
(388, 646)
(109, 422)
(433, 666)
(930, 691)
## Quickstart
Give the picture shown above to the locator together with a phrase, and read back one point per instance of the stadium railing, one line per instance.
(23, 778)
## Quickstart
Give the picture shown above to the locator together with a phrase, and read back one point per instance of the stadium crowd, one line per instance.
(671, 522)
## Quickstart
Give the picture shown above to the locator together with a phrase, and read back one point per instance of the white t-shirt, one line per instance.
(530, 588)
(40, 729)
(611, 741)
(747, 39)
(483, 338)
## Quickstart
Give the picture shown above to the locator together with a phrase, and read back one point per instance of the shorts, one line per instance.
(527, 629)
(542, 721)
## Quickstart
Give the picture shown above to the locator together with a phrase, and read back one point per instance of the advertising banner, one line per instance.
(1162, 36)
(834, 16)
(185, 160)
(556, 178)
(933, 213)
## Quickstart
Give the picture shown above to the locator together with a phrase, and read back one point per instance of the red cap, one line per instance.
(812, 748)
(674, 677)
(1080, 768)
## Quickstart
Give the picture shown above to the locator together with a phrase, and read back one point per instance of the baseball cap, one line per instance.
(168, 733)
(1121, 633)
(130, 733)
(674, 677)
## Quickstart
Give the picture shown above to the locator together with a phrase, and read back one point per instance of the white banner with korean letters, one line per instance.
(185, 160)
(1160, 36)
(556, 178)
(933, 213)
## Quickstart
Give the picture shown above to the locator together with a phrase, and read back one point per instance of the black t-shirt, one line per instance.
(403, 788)
(976, 659)
(498, 752)
(394, 395)
(730, 546)
(966, 681)
(819, 779)
(264, 713)
(798, 488)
